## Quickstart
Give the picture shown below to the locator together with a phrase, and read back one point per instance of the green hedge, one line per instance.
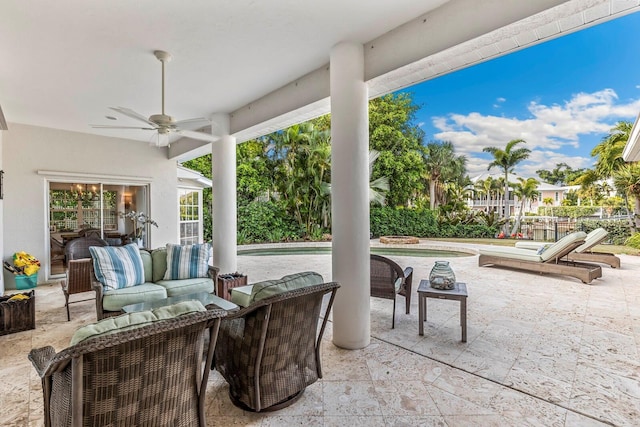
(265, 222)
(619, 230)
(568, 211)
(387, 221)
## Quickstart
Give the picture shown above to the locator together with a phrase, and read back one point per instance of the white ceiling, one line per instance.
(62, 63)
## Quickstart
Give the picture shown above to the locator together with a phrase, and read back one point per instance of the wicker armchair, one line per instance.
(388, 279)
(269, 352)
(151, 376)
(79, 268)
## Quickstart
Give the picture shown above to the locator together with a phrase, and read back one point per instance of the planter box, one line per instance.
(226, 282)
(16, 316)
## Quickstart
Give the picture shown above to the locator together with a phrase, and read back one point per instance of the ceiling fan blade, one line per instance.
(130, 113)
(119, 127)
(193, 123)
(198, 135)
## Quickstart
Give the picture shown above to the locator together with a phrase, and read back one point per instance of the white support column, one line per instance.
(225, 218)
(350, 196)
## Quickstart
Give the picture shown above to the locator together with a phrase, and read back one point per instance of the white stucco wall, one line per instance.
(28, 149)
(1, 223)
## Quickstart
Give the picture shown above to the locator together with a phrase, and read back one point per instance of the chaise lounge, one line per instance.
(583, 252)
(546, 260)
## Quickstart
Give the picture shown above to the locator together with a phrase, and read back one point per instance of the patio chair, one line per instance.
(269, 351)
(583, 252)
(549, 260)
(146, 374)
(388, 280)
(57, 250)
(79, 269)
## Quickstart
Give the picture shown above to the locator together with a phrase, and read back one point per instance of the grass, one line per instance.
(614, 249)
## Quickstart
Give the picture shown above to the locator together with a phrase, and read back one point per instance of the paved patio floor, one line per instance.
(541, 350)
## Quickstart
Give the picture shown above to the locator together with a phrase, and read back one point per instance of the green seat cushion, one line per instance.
(114, 300)
(241, 295)
(187, 286)
(269, 288)
(130, 321)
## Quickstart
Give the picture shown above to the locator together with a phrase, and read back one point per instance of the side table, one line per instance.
(458, 293)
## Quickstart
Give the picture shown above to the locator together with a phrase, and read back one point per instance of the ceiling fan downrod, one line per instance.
(162, 118)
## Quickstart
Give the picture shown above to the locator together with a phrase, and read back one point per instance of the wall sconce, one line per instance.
(1, 184)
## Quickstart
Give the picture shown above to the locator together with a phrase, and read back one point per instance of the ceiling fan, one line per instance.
(163, 123)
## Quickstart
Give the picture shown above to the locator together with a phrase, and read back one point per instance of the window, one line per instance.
(190, 202)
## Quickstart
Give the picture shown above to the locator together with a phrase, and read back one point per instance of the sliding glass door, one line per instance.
(78, 209)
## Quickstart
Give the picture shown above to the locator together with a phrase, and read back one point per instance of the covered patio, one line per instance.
(541, 350)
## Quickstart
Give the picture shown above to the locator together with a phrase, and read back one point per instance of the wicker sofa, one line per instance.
(155, 287)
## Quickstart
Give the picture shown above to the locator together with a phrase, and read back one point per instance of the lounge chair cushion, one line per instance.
(187, 286)
(129, 321)
(558, 247)
(512, 253)
(117, 266)
(593, 238)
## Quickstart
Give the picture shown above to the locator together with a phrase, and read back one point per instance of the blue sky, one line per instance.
(562, 97)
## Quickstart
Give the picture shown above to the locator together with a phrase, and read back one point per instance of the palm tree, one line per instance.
(627, 177)
(506, 160)
(609, 150)
(526, 189)
(442, 165)
(547, 201)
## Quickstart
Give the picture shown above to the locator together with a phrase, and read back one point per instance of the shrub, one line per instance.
(265, 221)
(633, 241)
(619, 230)
(387, 221)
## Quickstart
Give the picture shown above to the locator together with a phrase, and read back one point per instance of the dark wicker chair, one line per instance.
(269, 352)
(57, 250)
(79, 268)
(148, 376)
(79, 248)
(388, 279)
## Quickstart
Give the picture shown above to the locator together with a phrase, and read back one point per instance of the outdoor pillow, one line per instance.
(187, 261)
(542, 249)
(269, 288)
(117, 267)
(125, 322)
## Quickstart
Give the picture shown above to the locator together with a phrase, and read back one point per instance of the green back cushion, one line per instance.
(269, 288)
(147, 264)
(187, 261)
(117, 266)
(159, 264)
(129, 321)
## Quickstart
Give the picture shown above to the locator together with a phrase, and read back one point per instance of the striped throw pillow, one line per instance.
(187, 261)
(117, 266)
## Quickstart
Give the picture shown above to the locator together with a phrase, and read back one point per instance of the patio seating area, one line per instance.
(541, 350)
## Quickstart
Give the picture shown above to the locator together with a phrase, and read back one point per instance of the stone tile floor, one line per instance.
(541, 350)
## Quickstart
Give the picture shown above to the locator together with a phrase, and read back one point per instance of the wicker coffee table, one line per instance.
(205, 298)
(458, 293)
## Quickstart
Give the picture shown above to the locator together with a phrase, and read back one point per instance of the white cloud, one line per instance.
(421, 124)
(548, 129)
(501, 99)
